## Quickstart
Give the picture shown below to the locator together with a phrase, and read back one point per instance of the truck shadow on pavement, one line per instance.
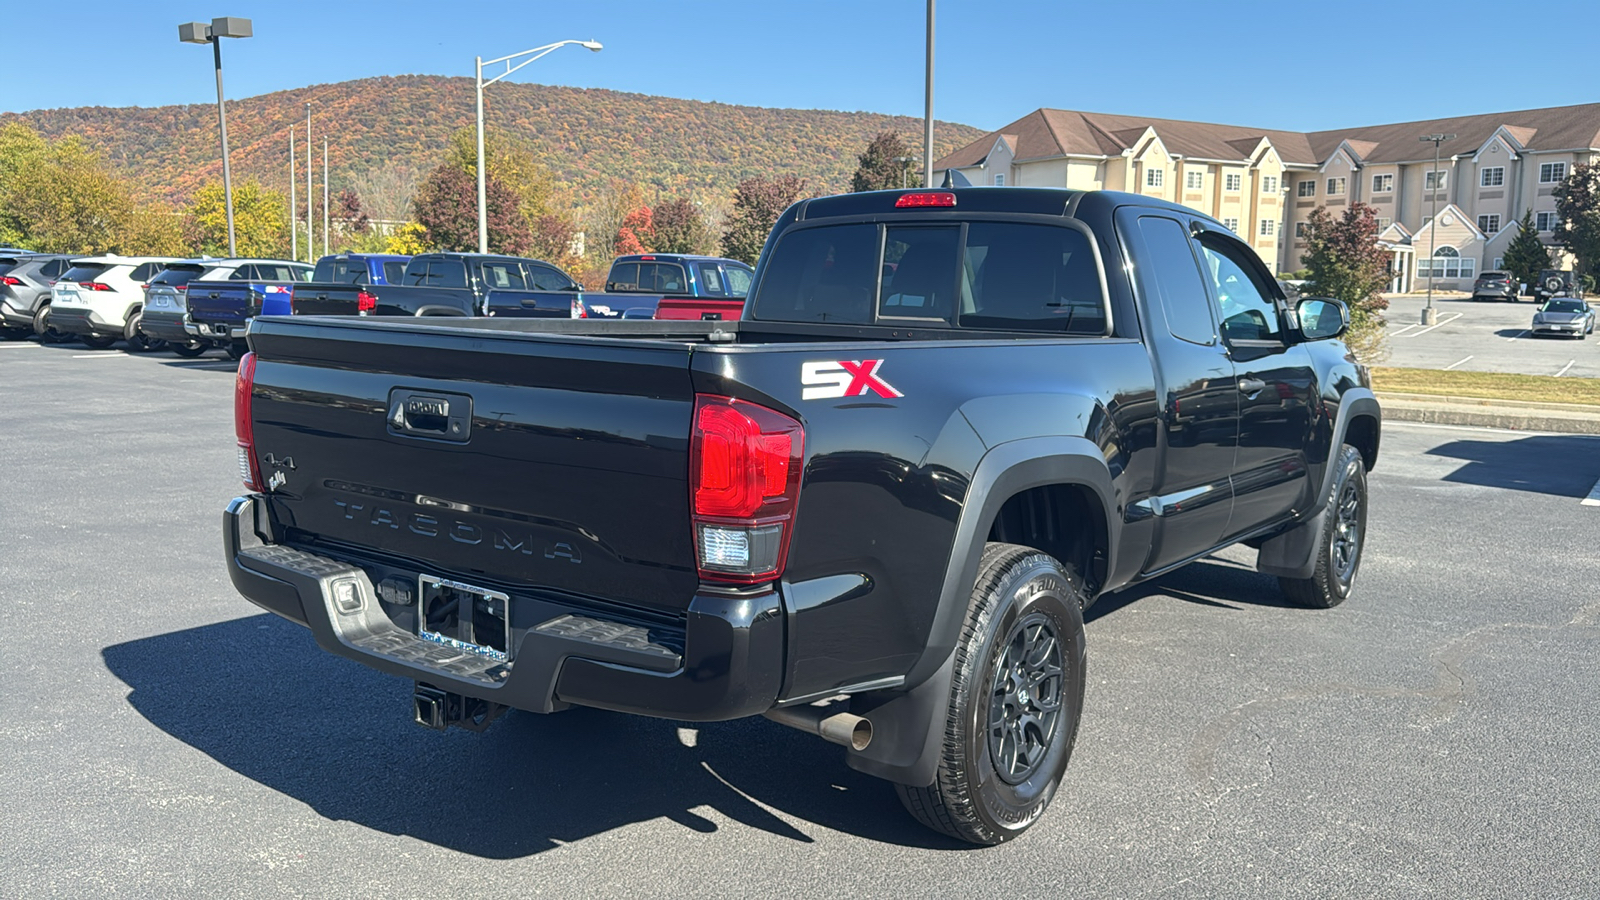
(259, 697)
(1562, 465)
(1210, 581)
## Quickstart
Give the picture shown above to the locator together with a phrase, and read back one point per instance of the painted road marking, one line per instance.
(1442, 322)
(101, 356)
(1483, 428)
(1515, 336)
(1565, 368)
(1456, 363)
(1407, 328)
(19, 347)
(1594, 496)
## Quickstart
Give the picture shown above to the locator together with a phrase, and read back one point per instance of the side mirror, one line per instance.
(1322, 318)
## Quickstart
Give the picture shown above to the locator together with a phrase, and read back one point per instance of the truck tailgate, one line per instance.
(568, 472)
(222, 302)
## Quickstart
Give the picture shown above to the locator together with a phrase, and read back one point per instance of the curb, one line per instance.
(1556, 417)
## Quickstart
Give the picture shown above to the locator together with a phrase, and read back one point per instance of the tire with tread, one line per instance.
(97, 341)
(237, 349)
(137, 340)
(1334, 578)
(41, 327)
(1017, 589)
(191, 350)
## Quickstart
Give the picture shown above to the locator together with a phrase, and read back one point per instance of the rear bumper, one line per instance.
(14, 316)
(80, 320)
(168, 326)
(725, 663)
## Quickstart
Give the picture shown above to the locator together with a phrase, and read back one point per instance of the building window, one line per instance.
(1194, 179)
(1383, 223)
(1269, 184)
(1231, 224)
(1302, 229)
(1434, 180)
(999, 180)
(1488, 224)
(1307, 188)
(1447, 262)
(1268, 228)
(1493, 176)
(1233, 182)
(1499, 261)
(1154, 177)
(1382, 184)
(1335, 187)
(1545, 221)
(1550, 173)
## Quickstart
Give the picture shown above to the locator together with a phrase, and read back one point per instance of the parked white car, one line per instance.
(100, 298)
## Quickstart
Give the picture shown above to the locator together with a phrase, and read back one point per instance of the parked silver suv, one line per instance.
(25, 280)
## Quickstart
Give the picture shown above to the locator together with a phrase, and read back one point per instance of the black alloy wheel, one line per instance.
(1025, 699)
(191, 350)
(1344, 533)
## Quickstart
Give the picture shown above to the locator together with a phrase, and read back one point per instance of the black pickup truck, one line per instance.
(448, 284)
(873, 508)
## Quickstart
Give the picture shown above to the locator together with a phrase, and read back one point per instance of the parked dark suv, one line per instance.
(1556, 283)
(1495, 286)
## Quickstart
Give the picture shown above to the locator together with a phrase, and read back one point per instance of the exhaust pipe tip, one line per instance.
(844, 729)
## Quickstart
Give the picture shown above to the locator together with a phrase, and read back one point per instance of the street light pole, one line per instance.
(1430, 316)
(294, 203)
(905, 170)
(311, 202)
(201, 33)
(927, 113)
(325, 228)
(483, 180)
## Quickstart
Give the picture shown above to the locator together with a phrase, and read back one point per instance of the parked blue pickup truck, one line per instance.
(678, 286)
(220, 310)
(360, 268)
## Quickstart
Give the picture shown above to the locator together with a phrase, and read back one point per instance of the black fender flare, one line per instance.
(907, 722)
(1293, 554)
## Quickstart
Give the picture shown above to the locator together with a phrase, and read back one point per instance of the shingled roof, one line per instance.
(1050, 133)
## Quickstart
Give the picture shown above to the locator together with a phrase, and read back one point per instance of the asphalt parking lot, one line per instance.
(1433, 737)
(1484, 337)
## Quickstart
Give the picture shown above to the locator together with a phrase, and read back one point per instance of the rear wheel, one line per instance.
(190, 350)
(42, 327)
(98, 341)
(238, 349)
(138, 340)
(1343, 537)
(1016, 696)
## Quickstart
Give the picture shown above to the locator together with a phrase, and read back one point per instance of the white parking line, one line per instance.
(1442, 322)
(101, 356)
(1594, 496)
(1565, 368)
(1430, 426)
(1407, 328)
(1515, 336)
(1456, 363)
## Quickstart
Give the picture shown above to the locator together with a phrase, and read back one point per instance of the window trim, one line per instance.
(1441, 180)
(1554, 220)
(1344, 185)
(1384, 178)
(1300, 188)
(1267, 286)
(1482, 225)
(1499, 176)
(1155, 177)
(1232, 182)
(1269, 184)
(1552, 167)
(999, 179)
(1267, 228)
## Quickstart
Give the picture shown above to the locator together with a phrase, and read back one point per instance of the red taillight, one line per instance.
(925, 198)
(95, 286)
(579, 311)
(7, 279)
(744, 467)
(365, 302)
(243, 429)
(182, 288)
(648, 258)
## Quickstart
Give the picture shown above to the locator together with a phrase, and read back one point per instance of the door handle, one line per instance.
(1251, 385)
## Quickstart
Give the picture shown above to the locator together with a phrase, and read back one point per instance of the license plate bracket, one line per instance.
(464, 617)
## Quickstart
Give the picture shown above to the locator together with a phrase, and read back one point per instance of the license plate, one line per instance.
(465, 618)
(159, 301)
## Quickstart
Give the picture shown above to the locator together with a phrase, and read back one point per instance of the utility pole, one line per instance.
(294, 203)
(201, 33)
(927, 115)
(1430, 316)
(325, 228)
(311, 203)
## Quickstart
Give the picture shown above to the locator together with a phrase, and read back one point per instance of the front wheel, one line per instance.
(1016, 696)
(98, 341)
(1344, 535)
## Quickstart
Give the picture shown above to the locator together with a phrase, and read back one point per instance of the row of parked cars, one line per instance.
(190, 306)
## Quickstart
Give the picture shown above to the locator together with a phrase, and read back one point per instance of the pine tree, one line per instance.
(880, 167)
(1526, 254)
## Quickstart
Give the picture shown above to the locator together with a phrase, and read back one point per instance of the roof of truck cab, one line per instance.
(1015, 200)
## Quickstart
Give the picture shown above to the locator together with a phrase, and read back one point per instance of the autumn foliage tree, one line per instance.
(1346, 263)
(757, 204)
(682, 228)
(260, 218)
(447, 207)
(637, 233)
(879, 167)
(350, 214)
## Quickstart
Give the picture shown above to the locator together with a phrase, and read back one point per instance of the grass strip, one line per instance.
(1487, 385)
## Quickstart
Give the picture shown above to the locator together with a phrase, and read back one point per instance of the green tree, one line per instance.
(64, 201)
(1526, 254)
(512, 164)
(682, 228)
(879, 167)
(155, 231)
(1346, 263)
(22, 153)
(757, 204)
(1578, 215)
(260, 221)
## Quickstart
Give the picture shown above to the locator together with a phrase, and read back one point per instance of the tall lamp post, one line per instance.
(201, 33)
(1430, 315)
(535, 53)
(927, 112)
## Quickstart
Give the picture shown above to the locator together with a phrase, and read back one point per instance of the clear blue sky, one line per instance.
(1231, 61)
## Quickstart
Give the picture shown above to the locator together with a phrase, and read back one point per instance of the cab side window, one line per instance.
(1177, 280)
(1248, 311)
